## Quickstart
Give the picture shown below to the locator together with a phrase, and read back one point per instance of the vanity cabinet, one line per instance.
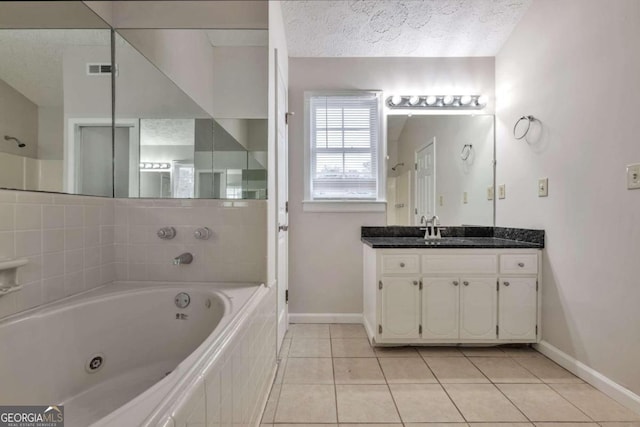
(447, 296)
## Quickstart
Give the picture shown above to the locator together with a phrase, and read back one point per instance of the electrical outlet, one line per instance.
(465, 198)
(441, 200)
(543, 187)
(633, 176)
(490, 192)
(502, 191)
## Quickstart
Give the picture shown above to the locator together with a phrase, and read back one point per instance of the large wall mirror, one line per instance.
(440, 165)
(190, 116)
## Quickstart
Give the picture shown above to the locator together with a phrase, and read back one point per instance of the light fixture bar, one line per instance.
(155, 166)
(437, 102)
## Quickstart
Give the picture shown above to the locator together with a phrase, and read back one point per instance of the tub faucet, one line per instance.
(185, 258)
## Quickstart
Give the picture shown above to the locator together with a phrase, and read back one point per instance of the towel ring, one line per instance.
(529, 119)
(466, 151)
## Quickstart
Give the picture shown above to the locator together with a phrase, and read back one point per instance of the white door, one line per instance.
(282, 158)
(425, 181)
(478, 309)
(518, 302)
(400, 307)
(440, 303)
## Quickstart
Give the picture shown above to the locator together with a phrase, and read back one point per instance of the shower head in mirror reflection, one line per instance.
(396, 166)
(466, 152)
(13, 138)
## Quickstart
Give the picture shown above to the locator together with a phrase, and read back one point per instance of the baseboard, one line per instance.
(606, 385)
(325, 318)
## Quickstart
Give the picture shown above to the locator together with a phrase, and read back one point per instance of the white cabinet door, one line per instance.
(518, 302)
(440, 302)
(400, 307)
(478, 308)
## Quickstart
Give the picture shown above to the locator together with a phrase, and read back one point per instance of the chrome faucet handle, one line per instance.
(166, 233)
(202, 233)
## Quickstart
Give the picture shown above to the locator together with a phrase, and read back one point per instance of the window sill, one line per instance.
(344, 206)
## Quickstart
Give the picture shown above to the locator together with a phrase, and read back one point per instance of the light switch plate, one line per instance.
(490, 192)
(543, 187)
(502, 191)
(633, 176)
(441, 200)
(465, 198)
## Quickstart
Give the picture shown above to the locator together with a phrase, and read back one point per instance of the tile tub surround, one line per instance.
(68, 241)
(236, 251)
(474, 237)
(462, 386)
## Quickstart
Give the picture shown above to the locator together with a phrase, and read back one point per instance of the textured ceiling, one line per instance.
(425, 28)
(167, 132)
(31, 60)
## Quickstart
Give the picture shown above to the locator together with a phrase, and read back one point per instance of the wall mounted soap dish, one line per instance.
(8, 273)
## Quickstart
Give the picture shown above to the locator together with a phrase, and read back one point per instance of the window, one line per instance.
(344, 135)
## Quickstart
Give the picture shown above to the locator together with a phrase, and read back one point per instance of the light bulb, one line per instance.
(482, 100)
(465, 100)
(447, 100)
(431, 100)
(396, 99)
(414, 100)
(148, 165)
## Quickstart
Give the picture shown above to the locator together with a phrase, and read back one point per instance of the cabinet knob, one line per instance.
(402, 264)
(521, 264)
(415, 283)
(455, 283)
(506, 283)
(465, 283)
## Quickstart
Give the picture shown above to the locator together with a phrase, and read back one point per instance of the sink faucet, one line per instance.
(185, 258)
(431, 230)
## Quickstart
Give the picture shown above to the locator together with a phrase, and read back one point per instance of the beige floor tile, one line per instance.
(305, 425)
(282, 366)
(309, 330)
(310, 347)
(396, 352)
(547, 370)
(370, 425)
(521, 351)
(455, 370)
(357, 370)
(272, 402)
(306, 404)
(503, 370)
(623, 424)
(284, 349)
(434, 424)
(351, 347)
(309, 370)
(539, 402)
(483, 403)
(440, 352)
(420, 403)
(347, 331)
(566, 424)
(594, 403)
(500, 424)
(403, 370)
(483, 352)
(366, 404)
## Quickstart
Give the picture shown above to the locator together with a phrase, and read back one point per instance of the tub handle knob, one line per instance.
(203, 233)
(167, 233)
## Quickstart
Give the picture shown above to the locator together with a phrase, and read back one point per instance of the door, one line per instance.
(282, 269)
(440, 303)
(425, 181)
(478, 309)
(94, 167)
(400, 307)
(518, 313)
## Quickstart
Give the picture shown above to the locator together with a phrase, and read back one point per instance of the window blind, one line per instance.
(344, 147)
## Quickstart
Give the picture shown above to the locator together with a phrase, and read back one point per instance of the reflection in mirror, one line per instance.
(54, 83)
(440, 165)
(182, 151)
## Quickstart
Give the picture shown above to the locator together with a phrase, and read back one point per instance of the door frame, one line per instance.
(416, 218)
(71, 176)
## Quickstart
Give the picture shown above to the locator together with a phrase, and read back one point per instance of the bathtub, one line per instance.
(125, 354)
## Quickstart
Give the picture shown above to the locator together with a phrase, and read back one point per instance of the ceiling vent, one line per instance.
(97, 69)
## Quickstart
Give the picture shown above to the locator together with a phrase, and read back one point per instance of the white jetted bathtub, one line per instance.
(131, 353)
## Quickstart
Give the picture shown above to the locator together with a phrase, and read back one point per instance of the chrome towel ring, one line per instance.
(529, 119)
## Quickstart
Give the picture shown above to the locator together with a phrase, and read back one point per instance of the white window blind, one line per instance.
(345, 134)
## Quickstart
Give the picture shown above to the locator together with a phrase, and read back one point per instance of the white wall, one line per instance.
(325, 250)
(50, 133)
(574, 65)
(18, 118)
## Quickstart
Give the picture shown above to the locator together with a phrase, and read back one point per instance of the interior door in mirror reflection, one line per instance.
(425, 182)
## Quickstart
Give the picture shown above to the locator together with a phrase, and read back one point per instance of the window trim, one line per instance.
(345, 205)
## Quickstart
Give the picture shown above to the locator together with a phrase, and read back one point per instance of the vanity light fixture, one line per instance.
(156, 166)
(441, 102)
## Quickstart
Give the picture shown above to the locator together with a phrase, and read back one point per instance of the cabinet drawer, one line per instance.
(519, 264)
(459, 264)
(400, 263)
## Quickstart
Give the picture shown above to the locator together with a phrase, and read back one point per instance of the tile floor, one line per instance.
(330, 375)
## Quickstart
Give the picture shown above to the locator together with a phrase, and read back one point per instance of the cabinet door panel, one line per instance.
(518, 313)
(478, 308)
(440, 302)
(400, 307)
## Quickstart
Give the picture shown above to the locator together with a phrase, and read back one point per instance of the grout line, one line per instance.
(393, 399)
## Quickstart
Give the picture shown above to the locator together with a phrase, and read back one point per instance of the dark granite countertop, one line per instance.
(453, 238)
